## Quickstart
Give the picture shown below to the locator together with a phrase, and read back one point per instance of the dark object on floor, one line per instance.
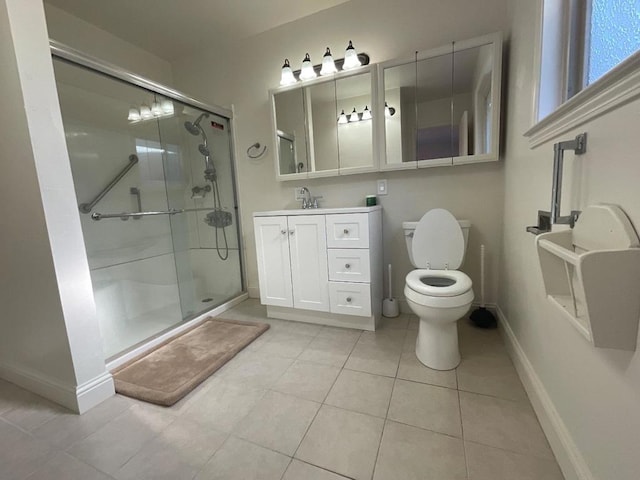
(175, 367)
(483, 318)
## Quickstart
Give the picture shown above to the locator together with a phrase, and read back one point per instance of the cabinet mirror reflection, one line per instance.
(324, 127)
(442, 106)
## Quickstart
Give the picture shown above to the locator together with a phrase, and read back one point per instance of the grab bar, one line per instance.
(87, 207)
(126, 215)
(546, 219)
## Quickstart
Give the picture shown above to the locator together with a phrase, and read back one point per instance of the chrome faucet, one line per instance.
(308, 201)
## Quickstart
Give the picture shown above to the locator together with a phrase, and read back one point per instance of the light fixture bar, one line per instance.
(363, 57)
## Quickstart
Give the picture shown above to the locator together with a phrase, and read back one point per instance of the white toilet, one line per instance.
(437, 292)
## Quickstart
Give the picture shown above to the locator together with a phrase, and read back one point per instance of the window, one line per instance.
(614, 35)
(589, 62)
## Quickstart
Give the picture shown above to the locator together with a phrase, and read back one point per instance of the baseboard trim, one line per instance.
(254, 292)
(130, 355)
(94, 392)
(77, 399)
(569, 458)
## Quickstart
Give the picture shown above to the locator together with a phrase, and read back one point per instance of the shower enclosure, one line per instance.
(154, 179)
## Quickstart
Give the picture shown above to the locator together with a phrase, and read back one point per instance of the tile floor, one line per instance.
(303, 402)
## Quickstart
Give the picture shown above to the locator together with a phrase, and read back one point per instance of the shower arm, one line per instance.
(126, 215)
(87, 207)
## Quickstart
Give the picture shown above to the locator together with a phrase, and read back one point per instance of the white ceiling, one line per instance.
(169, 28)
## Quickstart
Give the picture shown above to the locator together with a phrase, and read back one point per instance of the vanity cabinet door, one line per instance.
(309, 270)
(274, 266)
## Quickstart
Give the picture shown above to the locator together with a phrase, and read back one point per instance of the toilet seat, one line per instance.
(438, 283)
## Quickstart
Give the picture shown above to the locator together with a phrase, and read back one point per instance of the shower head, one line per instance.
(194, 128)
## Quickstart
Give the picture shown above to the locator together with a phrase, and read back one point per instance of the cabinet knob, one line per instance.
(346, 265)
(283, 232)
(291, 232)
(346, 231)
(348, 299)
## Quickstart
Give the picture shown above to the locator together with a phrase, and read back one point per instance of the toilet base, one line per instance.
(437, 345)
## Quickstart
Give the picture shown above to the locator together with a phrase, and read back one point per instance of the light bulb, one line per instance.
(156, 109)
(328, 67)
(354, 117)
(307, 72)
(167, 106)
(134, 114)
(287, 77)
(342, 119)
(351, 59)
(366, 114)
(145, 111)
(388, 111)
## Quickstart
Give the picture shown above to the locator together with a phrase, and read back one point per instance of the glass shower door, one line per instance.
(205, 237)
(143, 200)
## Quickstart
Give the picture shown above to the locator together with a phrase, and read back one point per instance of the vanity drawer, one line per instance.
(350, 298)
(348, 230)
(349, 265)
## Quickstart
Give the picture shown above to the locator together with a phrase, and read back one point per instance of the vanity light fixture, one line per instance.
(351, 59)
(158, 109)
(355, 116)
(307, 72)
(145, 112)
(389, 111)
(287, 77)
(134, 115)
(328, 65)
(167, 107)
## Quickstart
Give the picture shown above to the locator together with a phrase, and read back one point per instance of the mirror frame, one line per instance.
(494, 39)
(374, 167)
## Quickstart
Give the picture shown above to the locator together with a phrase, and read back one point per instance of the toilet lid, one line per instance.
(438, 243)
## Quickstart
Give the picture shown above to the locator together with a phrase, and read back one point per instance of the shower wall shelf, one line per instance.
(591, 274)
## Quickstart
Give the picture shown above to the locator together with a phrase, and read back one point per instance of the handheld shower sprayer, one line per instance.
(194, 128)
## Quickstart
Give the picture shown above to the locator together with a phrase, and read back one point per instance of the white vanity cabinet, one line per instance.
(321, 265)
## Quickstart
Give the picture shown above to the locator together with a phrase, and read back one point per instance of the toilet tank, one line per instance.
(409, 228)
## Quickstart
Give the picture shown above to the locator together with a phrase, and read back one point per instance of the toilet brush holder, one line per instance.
(390, 307)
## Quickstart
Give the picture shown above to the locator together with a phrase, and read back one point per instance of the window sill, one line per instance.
(616, 88)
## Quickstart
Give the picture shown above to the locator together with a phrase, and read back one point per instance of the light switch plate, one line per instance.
(382, 187)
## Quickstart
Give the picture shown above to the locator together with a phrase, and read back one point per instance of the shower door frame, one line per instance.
(76, 57)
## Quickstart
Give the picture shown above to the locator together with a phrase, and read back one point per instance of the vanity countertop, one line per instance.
(317, 211)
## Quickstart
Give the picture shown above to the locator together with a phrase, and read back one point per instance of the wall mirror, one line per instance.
(314, 138)
(442, 106)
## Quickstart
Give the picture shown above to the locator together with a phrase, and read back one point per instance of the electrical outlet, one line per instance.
(382, 187)
(299, 193)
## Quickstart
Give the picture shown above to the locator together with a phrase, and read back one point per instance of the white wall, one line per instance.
(384, 30)
(49, 338)
(90, 39)
(595, 391)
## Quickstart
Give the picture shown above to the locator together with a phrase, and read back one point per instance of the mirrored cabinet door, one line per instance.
(323, 130)
(355, 123)
(397, 104)
(290, 134)
(476, 100)
(436, 136)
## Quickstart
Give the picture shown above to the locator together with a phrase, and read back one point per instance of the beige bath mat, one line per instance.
(174, 368)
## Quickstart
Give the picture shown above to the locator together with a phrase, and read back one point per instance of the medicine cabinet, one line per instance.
(437, 107)
(442, 106)
(314, 138)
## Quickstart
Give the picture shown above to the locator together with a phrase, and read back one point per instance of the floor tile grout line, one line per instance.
(384, 425)
(552, 458)
(464, 448)
(323, 400)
